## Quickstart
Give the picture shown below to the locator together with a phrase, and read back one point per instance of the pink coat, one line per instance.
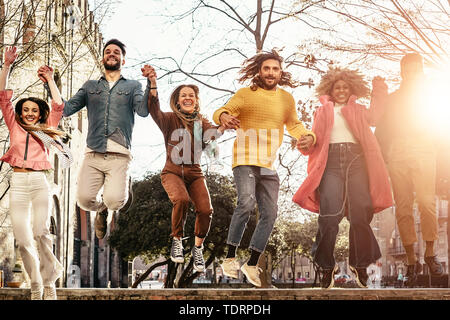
(359, 119)
(37, 155)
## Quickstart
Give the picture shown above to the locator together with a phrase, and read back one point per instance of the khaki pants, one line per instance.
(29, 210)
(414, 170)
(110, 171)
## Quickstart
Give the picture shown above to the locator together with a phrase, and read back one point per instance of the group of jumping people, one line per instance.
(351, 171)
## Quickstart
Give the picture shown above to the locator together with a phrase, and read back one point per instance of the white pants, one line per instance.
(29, 202)
(109, 171)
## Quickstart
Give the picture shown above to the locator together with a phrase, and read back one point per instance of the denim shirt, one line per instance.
(110, 111)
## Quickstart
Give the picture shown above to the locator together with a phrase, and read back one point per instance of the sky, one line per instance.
(149, 35)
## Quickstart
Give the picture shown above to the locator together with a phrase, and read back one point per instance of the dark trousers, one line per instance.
(344, 191)
(185, 183)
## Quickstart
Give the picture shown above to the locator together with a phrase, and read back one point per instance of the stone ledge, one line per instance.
(235, 294)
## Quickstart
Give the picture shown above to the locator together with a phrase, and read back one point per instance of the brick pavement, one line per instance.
(236, 294)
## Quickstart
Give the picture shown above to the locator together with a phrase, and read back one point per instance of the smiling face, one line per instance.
(341, 92)
(187, 100)
(113, 58)
(30, 112)
(270, 73)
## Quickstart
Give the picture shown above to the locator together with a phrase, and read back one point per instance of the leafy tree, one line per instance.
(291, 237)
(145, 229)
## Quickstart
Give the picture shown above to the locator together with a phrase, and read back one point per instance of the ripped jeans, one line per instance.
(254, 185)
(344, 191)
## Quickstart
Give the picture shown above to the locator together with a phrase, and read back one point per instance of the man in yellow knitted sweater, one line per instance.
(259, 114)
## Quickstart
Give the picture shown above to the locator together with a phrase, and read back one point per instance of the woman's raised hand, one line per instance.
(10, 55)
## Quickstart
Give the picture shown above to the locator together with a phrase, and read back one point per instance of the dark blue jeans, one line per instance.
(344, 191)
(254, 185)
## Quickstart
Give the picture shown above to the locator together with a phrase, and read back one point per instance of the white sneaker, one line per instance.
(230, 267)
(252, 273)
(199, 263)
(36, 292)
(50, 292)
(176, 252)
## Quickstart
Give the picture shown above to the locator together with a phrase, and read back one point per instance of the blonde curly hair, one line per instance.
(358, 86)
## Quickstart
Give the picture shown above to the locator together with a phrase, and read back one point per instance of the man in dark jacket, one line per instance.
(408, 147)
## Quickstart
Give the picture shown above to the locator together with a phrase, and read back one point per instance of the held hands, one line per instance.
(228, 121)
(149, 73)
(10, 55)
(45, 73)
(305, 142)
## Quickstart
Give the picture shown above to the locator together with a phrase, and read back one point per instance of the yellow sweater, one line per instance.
(263, 115)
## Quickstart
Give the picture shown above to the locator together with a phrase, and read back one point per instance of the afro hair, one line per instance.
(359, 87)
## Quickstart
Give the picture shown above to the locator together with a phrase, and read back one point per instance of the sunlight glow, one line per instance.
(437, 97)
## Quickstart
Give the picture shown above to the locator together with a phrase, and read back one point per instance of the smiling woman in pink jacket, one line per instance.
(346, 172)
(32, 128)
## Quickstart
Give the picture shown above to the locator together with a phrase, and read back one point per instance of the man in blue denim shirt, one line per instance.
(111, 103)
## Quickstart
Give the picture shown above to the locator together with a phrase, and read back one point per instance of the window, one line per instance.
(56, 169)
(29, 29)
(53, 229)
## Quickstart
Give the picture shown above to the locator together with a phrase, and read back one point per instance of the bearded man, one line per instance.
(111, 103)
(259, 114)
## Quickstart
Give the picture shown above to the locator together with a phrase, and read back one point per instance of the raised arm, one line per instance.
(140, 101)
(10, 57)
(150, 73)
(153, 102)
(76, 103)
(5, 96)
(45, 73)
(377, 102)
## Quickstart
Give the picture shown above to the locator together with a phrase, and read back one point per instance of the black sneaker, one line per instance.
(434, 265)
(197, 255)
(411, 274)
(100, 223)
(129, 202)
(327, 280)
(361, 276)
(176, 252)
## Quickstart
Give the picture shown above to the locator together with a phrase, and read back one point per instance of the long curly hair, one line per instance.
(186, 119)
(252, 66)
(358, 86)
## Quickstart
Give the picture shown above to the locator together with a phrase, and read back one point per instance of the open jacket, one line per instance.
(169, 122)
(24, 150)
(359, 120)
(111, 111)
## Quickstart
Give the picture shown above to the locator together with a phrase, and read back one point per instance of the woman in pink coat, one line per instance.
(32, 129)
(346, 172)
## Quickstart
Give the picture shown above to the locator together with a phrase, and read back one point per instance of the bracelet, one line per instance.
(153, 88)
